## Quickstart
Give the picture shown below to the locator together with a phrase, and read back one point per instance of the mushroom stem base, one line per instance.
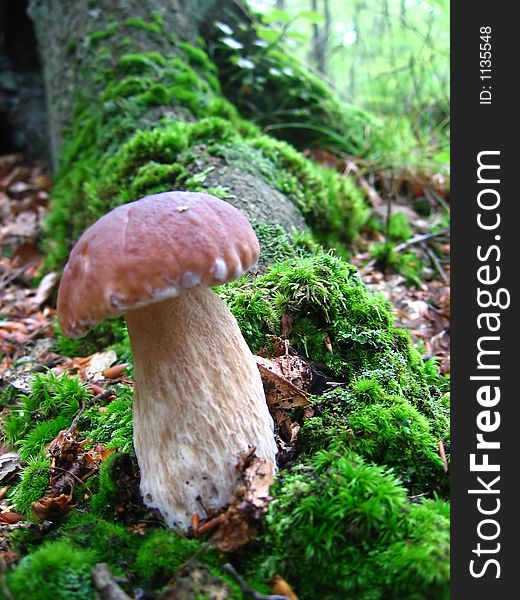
(198, 404)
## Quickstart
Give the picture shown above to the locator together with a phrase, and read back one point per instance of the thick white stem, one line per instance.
(198, 404)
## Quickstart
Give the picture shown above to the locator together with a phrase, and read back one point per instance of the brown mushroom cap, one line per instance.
(150, 250)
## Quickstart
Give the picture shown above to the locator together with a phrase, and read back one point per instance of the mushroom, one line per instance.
(198, 397)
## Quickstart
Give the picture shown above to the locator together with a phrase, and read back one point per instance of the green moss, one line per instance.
(334, 207)
(161, 555)
(56, 570)
(155, 26)
(141, 63)
(41, 435)
(417, 567)
(388, 432)
(406, 263)
(103, 501)
(111, 542)
(335, 511)
(107, 334)
(97, 36)
(50, 396)
(113, 426)
(399, 229)
(104, 166)
(323, 295)
(339, 511)
(33, 484)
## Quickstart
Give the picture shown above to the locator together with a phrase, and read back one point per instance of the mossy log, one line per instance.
(136, 107)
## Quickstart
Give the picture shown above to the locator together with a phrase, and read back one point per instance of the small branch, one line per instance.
(101, 396)
(418, 239)
(436, 263)
(106, 584)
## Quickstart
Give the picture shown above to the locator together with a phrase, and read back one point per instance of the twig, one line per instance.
(106, 584)
(431, 194)
(101, 396)
(76, 477)
(418, 239)
(436, 263)
(27, 525)
(247, 590)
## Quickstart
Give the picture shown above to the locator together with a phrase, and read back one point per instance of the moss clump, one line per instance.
(112, 427)
(421, 555)
(339, 511)
(406, 264)
(56, 570)
(161, 555)
(33, 484)
(51, 396)
(107, 494)
(107, 334)
(386, 430)
(35, 419)
(111, 542)
(324, 296)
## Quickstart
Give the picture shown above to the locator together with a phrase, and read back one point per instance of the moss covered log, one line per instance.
(146, 113)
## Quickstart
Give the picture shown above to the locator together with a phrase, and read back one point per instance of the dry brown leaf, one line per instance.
(239, 523)
(45, 287)
(280, 587)
(10, 517)
(52, 508)
(280, 392)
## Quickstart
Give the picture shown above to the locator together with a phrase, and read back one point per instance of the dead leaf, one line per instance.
(10, 517)
(280, 392)
(280, 587)
(45, 287)
(97, 363)
(52, 508)
(115, 372)
(238, 525)
(9, 465)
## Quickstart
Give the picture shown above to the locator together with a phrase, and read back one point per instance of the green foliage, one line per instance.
(423, 555)
(56, 570)
(334, 511)
(399, 229)
(102, 502)
(271, 87)
(382, 428)
(323, 295)
(111, 542)
(41, 435)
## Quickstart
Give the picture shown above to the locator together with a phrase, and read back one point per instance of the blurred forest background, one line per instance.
(390, 57)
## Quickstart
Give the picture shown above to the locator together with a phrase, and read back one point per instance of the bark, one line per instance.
(23, 124)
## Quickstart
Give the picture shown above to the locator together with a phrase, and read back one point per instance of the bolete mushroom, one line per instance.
(198, 397)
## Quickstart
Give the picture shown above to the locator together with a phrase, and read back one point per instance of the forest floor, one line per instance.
(27, 294)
